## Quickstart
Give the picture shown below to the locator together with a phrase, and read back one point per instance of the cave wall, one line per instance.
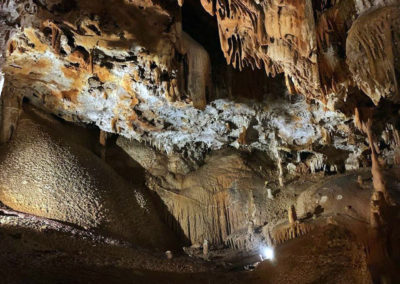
(134, 70)
(67, 50)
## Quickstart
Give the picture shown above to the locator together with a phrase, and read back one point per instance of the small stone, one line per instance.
(169, 254)
(324, 199)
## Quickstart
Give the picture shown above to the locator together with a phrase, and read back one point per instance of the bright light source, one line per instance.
(267, 253)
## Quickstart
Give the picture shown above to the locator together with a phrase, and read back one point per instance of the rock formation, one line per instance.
(248, 122)
(307, 41)
(46, 173)
(374, 66)
(198, 71)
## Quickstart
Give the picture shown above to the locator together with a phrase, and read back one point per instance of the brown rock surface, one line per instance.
(372, 51)
(232, 158)
(307, 41)
(46, 173)
(216, 200)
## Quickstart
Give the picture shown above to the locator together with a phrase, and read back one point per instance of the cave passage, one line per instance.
(212, 141)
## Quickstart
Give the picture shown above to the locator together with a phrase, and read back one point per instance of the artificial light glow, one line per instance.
(267, 253)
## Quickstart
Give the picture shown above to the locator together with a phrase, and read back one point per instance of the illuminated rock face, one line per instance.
(128, 68)
(220, 198)
(85, 65)
(82, 63)
(134, 72)
(48, 172)
(278, 36)
(307, 40)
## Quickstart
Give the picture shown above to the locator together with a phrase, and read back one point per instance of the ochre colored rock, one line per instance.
(199, 71)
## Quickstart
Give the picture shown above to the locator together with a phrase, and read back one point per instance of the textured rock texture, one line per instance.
(84, 64)
(274, 35)
(74, 48)
(46, 173)
(220, 198)
(307, 41)
(214, 145)
(376, 66)
(226, 200)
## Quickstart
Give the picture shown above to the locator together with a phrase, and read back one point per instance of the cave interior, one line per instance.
(210, 141)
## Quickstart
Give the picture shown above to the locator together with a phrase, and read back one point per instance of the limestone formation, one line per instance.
(220, 126)
(292, 216)
(372, 49)
(307, 41)
(45, 172)
(205, 248)
(210, 202)
(198, 71)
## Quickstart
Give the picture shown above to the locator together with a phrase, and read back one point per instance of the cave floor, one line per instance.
(36, 250)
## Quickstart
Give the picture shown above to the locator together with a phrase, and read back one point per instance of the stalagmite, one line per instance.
(280, 177)
(375, 210)
(363, 120)
(360, 181)
(169, 254)
(292, 216)
(103, 143)
(270, 195)
(205, 248)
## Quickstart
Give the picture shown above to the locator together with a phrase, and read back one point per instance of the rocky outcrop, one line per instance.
(49, 173)
(236, 198)
(68, 50)
(86, 65)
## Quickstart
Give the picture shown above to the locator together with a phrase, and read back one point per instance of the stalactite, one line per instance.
(11, 107)
(284, 233)
(370, 48)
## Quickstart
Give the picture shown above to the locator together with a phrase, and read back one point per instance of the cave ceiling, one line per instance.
(87, 62)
